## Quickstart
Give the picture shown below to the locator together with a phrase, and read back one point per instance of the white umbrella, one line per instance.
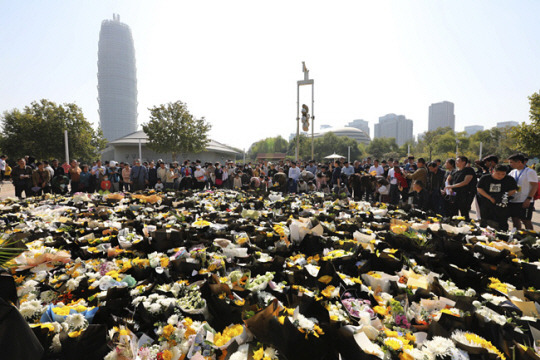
(334, 156)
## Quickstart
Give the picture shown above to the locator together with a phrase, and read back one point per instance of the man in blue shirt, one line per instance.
(138, 176)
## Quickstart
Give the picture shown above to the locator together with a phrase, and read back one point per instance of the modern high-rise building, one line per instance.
(504, 124)
(117, 80)
(360, 124)
(395, 126)
(441, 115)
(473, 129)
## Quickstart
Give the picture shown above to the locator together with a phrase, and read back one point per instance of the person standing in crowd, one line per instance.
(218, 175)
(58, 170)
(84, 179)
(200, 178)
(3, 164)
(311, 167)
(152, 175)
(419, 174)
(294, 175)
(170, 177)
(522, 204)
(368, 164)
(74, 174)
(493, 191)
(393, 180)
(376, 169)
(463, 184)
(161, 172)
(348, 171)
(40, 180)
(98, 171)
(336, 174)
(409, 165)
(435, 185)
(138, 176)
(126, 178)
(22, 178)
(113, 174)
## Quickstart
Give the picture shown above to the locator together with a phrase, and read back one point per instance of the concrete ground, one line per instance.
(7, 190)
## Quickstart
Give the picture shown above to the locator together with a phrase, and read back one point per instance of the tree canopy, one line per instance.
(380, 146)
(38, 131)
(527, 135)
(172, 129)
(269, 145)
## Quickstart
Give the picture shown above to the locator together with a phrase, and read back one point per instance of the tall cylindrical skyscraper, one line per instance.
(117, 80)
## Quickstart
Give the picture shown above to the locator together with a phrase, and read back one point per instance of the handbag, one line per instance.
(219, 181)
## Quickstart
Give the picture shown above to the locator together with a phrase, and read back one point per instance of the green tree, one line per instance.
(305, 147)
(494, 141)
(427, 144)
(172, 129)
(269, 145)
(380, 146)
(331, 143)
(38, 130)
(527, 135)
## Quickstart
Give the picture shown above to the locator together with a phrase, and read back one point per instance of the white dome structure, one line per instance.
(360, 136)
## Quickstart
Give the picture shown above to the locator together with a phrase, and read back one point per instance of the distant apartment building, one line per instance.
(504, 124)
(394, 126)
(473, 129)
(441, 115)
(360, 124)
(324, 127)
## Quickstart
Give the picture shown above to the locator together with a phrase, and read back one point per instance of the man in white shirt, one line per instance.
(378, 169)
(294, 175)
(3, 159)
(522, 204)
(394, 189)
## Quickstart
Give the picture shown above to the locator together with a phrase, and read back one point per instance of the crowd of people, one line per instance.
(447, 189)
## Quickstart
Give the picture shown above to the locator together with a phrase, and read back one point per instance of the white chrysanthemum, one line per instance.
(305, 323)
(241, 353)
(48, 296)
(72, 284)
(439, 346)
(30, 309)
(76, 321)
(271, 353)
(113, 355)
(28, 287)
(418, 354)
(172, 320)
(154, 308)
(56, 345)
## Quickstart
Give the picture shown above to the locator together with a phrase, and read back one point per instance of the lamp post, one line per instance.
(306, 81)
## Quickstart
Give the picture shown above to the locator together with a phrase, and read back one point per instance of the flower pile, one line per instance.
(235, 275)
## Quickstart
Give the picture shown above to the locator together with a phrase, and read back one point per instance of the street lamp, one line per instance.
(306, 81)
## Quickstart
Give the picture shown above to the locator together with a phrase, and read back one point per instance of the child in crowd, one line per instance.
(311, 187)
(159, 185)
(302, 186)
(237, 182)
(383, 190)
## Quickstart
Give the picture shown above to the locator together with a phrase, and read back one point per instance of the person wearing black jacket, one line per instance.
(420, 196)
(435, 184)
(22, 179)
(463, 184)
(493, 192)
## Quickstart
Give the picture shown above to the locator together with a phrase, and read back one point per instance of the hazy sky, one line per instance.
(237, 62)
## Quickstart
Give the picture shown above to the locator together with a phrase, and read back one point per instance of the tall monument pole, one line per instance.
(306, 81)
